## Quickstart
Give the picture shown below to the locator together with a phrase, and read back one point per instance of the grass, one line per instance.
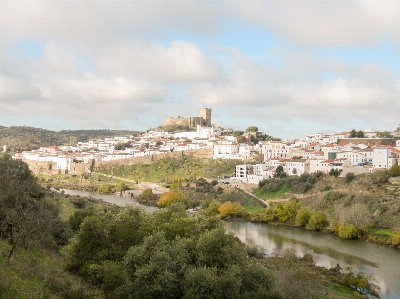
(168, 170)
(382, 232)
(253, 209)
(269, 195)
(37, 274)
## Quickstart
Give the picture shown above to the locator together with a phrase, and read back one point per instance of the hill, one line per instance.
(365, 206)
(26, 138)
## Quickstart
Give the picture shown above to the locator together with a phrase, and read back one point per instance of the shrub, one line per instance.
(318, 220)
(349, 177)
(212, 208)
(347, 231)
(287, 211)
(394, 171)
(273, 185)
(396, 240)
(302, 217)
(231, 209)
(332, 196)
(170, 197)
(105, 188)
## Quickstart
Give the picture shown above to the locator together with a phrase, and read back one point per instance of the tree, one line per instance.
(252, 129)
(25, 215)
(334, 172)
(353, 133)
(170, 197)
(73, 140)
(384, 134)
(394, 171)
(360, 134)
(237, 133)
(279, 172)
(147, 196)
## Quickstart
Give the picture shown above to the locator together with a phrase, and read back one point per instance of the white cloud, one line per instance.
(181, 62)
(356, 92)
(325, 22)
(93, 23)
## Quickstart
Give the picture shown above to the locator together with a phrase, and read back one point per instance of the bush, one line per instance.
(105, 188)
(302, 217)
(347, 231)
(349, 177)
(231, 209)
(212, 208)
(287, 211)
(396, 240)
(273, 185)
(394, 171)
(318, 220)
(332, 196)
(170, 197)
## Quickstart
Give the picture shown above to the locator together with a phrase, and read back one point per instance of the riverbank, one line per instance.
(340, 206)
(310, 280)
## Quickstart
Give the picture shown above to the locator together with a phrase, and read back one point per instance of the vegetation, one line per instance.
(125, 253)
(171, 255)
(356, 134)
(176, 128)
(169, 170)
(363, 206)
(281, 184)
(252, 129)
(26, 138)
(394, 171)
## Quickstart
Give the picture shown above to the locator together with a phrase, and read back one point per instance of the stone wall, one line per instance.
(371, 141)
(48, 168)
(355, 169)
(177, 121)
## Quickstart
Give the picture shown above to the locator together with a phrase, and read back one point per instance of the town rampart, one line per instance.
(45, 167)
(371, 141)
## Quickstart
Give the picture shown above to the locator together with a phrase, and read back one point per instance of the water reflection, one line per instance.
(328, 250)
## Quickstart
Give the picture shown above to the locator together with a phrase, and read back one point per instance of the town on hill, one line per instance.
(353, 151)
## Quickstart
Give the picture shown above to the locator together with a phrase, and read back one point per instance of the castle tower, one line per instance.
(205, 114)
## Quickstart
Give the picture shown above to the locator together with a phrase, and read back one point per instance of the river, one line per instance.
(383, 263)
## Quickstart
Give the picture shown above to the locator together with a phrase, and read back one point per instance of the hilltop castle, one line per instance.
(203, 120)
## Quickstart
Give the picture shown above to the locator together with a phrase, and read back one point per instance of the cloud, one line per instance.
(298, 90)
(113, 63)
(181, 62)
(325, 22)
(92, 23)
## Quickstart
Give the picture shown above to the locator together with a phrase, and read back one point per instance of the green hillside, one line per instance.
(26, 138)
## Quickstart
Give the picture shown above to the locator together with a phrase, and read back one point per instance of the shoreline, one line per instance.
(375, 240)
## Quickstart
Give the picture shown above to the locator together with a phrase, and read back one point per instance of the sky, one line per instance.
(291, 68)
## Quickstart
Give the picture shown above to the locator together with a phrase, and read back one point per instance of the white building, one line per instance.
(226, 150)
(297, 166)
(383, 158)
